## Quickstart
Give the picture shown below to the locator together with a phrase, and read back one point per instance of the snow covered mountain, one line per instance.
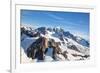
(72, 47)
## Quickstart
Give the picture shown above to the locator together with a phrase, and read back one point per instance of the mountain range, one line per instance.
(77, 48)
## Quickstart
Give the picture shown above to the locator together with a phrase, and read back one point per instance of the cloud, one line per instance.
(80, 33)
(54, 16)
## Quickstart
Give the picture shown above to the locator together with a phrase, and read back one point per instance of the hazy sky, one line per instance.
(75, 22)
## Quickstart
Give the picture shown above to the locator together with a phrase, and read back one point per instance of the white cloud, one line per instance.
(54, 16)
(81, 34)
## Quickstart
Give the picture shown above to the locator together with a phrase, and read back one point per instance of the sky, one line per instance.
(75, 22)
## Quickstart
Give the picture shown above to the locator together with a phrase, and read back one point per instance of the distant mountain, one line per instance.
(82, 41)
(69, 35)
(42, 30)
